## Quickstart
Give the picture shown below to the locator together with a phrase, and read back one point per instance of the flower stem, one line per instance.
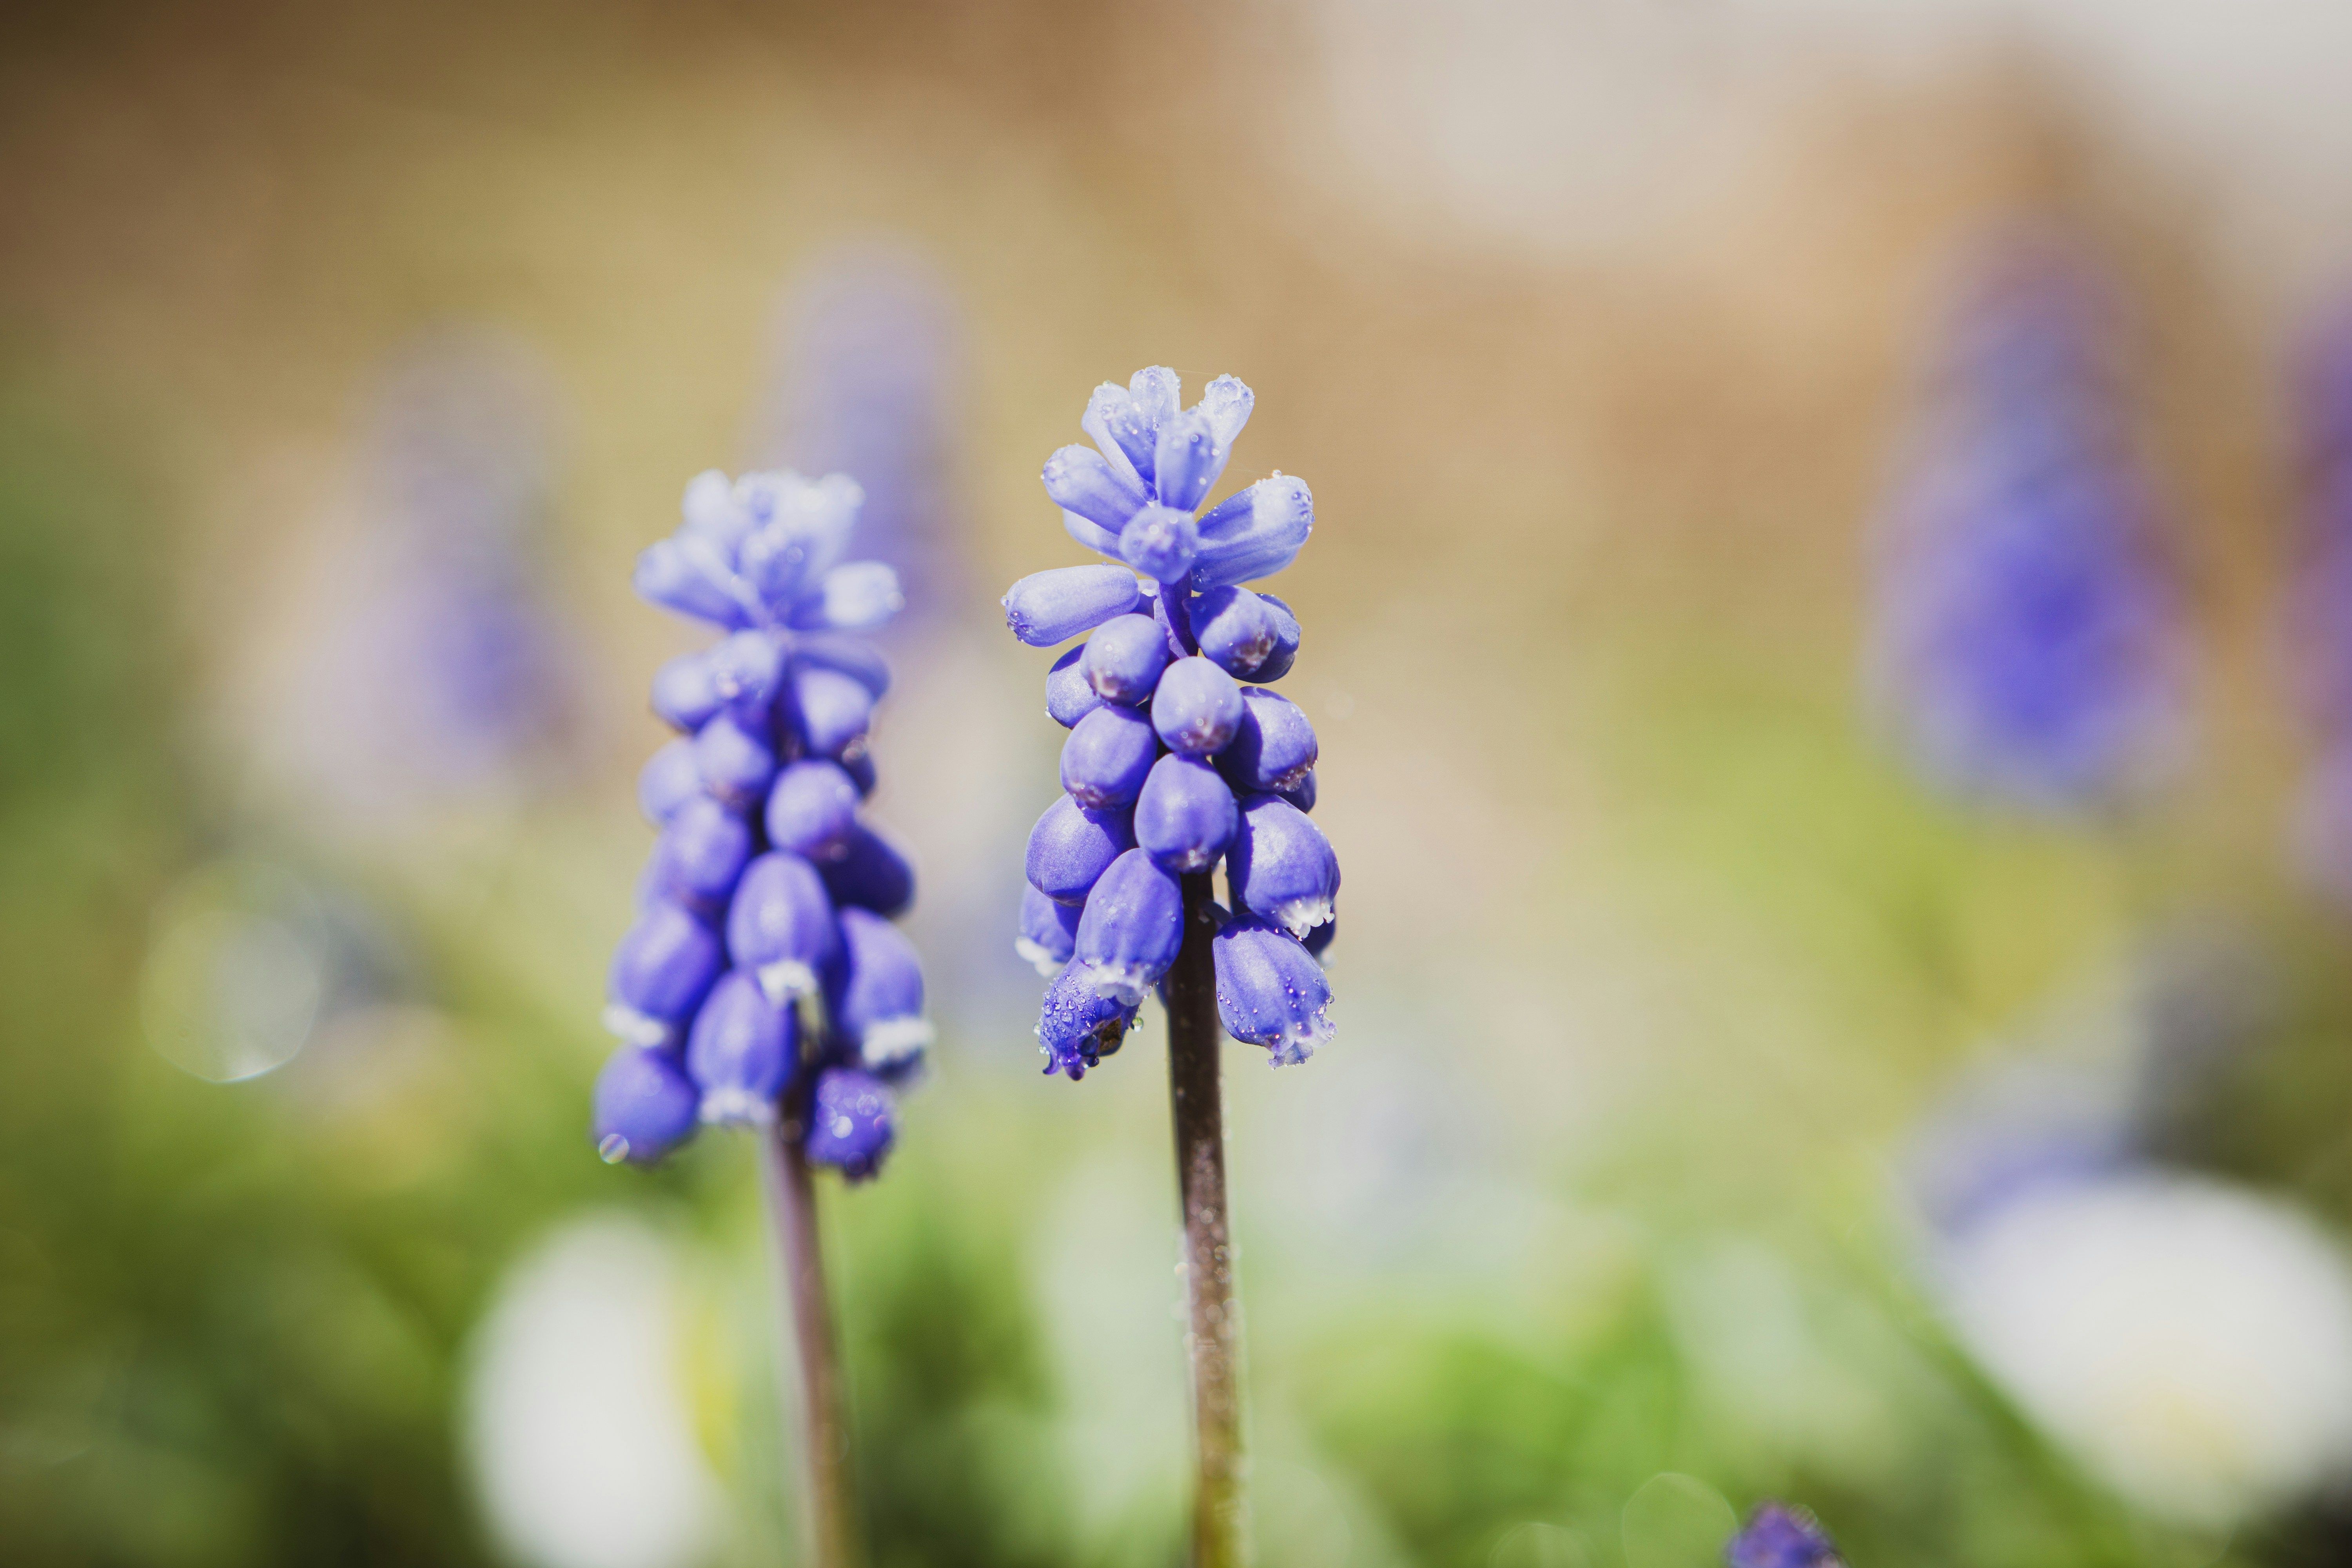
(1213, 1339)
(829, 1527)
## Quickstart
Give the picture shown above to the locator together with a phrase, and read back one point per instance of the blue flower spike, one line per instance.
(1178, 758)
(762, 985)
(1779, 1536)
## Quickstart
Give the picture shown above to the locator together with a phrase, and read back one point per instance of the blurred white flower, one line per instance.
(576, 1414)
(2190, 1342)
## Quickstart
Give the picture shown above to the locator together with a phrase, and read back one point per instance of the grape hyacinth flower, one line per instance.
(1779, 1536)
(1179, 760)
(2318, 634)
(2029, 639)
(762, 985)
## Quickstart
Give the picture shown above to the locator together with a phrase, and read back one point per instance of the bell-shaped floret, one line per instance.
(1187, 461)
(742, 1052)
(1123, 660)
(1082, 480)
(871, 874)
(829, 712)
(1132, 927)
(646, 1106)
(661, 971)
(849, 1122)
(698, 855)
(1196, 708)
(1107, 756)
(1049, 933)
(1275, 748)
(851, 656)
(1159, 542)
(856, 598)
(1282, 866)
(781, 929)
(1254, 533)
(669, 779)
(1072, 847)
(812, 809)
(1185, 816)
(688, 574)
(1047, 608)
(735, 760)
(1270, 990)
(880, 1007)
(1077, 1025)
(1069, 695)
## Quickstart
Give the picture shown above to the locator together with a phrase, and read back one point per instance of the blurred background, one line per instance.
(1830, 628)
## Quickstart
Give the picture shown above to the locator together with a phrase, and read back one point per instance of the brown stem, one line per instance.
(1214, 1341)
(829, 1525)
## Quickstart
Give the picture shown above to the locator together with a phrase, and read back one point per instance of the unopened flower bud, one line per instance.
(1048, 608)
(1282, 867)
(686, 692)
(1071, 847)
(1270, 990)
(1237, 630)
(1254, 533)
(829, 710)
(1778, 1536)
(812, 809)
(871, 874)
(1302, 794)
(1187, 461)
(1196, 708)
(852, 656)
(1132, 927)
(742, 1052)
(1185, 816)
(1275, 748)
(661, 971)
(689, 575)
(1107, 757)
(880, 1007)
(699, 854)
(1123, 660)
(735, 760)
(781, 927)
(1159, 542)
(646, 1106)
(669, 780)
(1069, 697)
(1082, 480)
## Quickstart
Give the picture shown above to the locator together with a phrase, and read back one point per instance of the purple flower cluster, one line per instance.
(1179, 755)
(2319, 611)
(763, 949)
(2029, 638)
(1779, 1536)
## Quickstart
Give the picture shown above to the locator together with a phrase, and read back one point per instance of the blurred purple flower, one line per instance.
(763, 864)
(869, 354)
(1779, 1536)
(2029, 641)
